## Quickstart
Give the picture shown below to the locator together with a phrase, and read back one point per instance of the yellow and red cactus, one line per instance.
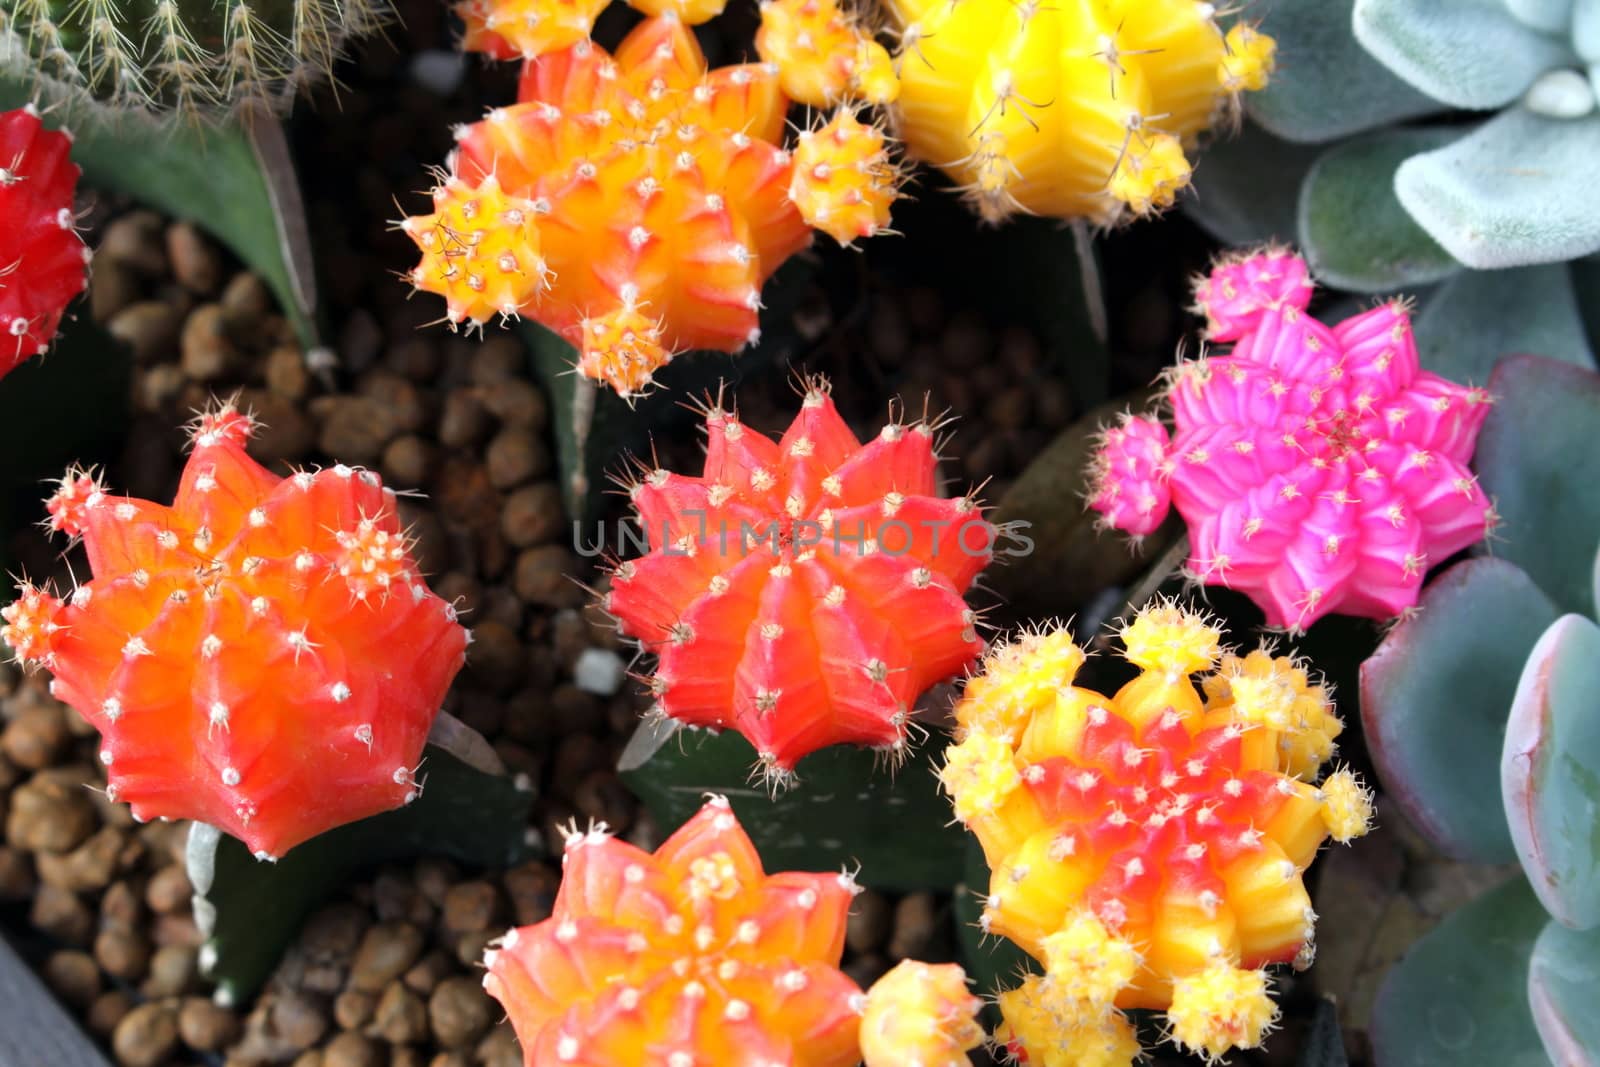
(824, 54)
(262, 655)
(690, 956)
(636, 203)
(1147, 846)
(1069, 110)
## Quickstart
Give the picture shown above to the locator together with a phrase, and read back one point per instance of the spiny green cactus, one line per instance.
(1488, 737)
(191, 56)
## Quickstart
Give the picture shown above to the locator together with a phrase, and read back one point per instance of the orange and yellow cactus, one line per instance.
(922, 1014)
(1077, 111)
(1147, 847)
(528, 29)
(689, 956)
(635, 204)
(823, 53)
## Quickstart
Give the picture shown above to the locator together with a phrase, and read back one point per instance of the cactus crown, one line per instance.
(186, 55)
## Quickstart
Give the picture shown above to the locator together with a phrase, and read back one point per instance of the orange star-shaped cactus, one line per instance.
(690, 957)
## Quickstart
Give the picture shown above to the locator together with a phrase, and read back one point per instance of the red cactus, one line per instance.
(691, 956)
(41, 256)
(803, 592)
(262, 655)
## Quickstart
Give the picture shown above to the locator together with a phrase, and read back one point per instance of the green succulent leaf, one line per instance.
(1550, 770)
(235, 179)
(1476, 318)
(845, 807)
(249, 910)
(1327, 85)
(1353, 229)
(1324, 1043)
(1563, 989)
(1467, 53)
(1546, 16)
(1246, 189)
(1534, 459)
(1515, 191)
(1435, 697)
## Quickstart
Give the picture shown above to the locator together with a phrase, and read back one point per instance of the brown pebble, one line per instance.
(147, 1035)
(17, 879)
(496, 360)
(500, 1048)
(245, 301)
(459, 1011)
(415, 357)
(204, 1026)
(309, 1058)
(88, 867)
(297, 1019)
(435, 876)
(914, 926)
(135, 239)
(514, 456)
(888, 334)
(122, 906)
(406, 1056)
(51, 813)
(385, 953)
(450, 1059)
(352, 1050)
(169, 891)
(472, 906)
(542, 577)
(494, 659)
(196, 263)
(868, 927)
(518, 403)
(208, 353)
(1053, 403)
(354, 429)
(401, 1016)
(532, 515)
(463, 591)
(352, 1009)
(602, 797)
(408, 462)
(150, 329)
(36, 737)
(62, 915)
(74, 977)
(463, 420)
(426, 974)
(112, 287)
(1009, 409)
(172, 971)
(867, 969)
(464, 495)
(159, 387)
(122, 953)
(107, 1010)
(286, 372)
(403, 399)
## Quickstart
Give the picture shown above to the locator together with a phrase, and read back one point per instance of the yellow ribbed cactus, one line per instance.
(1147, 847)
(920, 1014)
(1072, 108)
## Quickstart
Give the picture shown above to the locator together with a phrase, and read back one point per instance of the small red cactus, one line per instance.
(691, 956)
(262, 655)
(803, 592)
(41, 256)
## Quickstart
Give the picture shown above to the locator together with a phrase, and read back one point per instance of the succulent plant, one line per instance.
(693, 955)
(824, 54)
(805, 591)
(1083, 111)
(42, 258)
(1318, 468)
(184, 55)
(1147, 846)
(262, 655)
(1359, 154)
(636, 205)
(1480, 716)
(920, 1013)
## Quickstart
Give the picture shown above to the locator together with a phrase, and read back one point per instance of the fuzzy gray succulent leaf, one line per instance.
(1586, 29)
(1563, 988)
(1546, 16)
(1467, 53)
(1328, 86)
(1354, 232)
(1477, 317)
(1517, 190)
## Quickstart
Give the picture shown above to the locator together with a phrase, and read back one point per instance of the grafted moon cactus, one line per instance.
(805, 591)
(262, 655)
(1319, 469)
(1147, 846)
(1076, 110)
(42, 257)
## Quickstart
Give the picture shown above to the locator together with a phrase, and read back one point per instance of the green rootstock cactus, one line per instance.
(1497, 680)
(189, 55)
(1361, 154)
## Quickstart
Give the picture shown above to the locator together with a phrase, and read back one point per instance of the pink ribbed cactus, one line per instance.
(1318, 468)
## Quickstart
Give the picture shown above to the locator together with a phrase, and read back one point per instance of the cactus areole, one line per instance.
(262, 655)
(805, 591)
(41, 256)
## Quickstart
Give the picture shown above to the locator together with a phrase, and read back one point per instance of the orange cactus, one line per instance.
(844, 181)
(262, 655)
(512, 29)
(691, 956)
(1148, 847)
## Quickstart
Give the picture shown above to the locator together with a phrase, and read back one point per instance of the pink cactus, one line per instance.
(1318, 468)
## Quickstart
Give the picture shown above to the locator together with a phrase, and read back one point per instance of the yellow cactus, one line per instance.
(480, 250)
(1147, 847)
(511, 29)
(844, 181)
(920, 1014)
(1081, 109)
(823, 54)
